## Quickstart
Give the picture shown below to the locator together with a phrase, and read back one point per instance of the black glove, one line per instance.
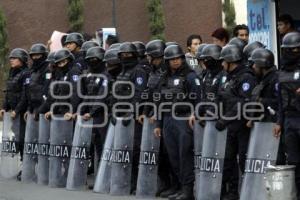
(125, 122)
(113, 120)
(220, 125)
(202, 123)
(36, 116)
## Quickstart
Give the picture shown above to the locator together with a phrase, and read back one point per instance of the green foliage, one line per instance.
(156, 19)
(229, 11)
(75, 14)
(3, 52)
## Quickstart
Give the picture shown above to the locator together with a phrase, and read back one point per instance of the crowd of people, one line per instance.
(220, 76)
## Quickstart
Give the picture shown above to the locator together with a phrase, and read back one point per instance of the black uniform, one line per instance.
(68, 74)
(235, 92)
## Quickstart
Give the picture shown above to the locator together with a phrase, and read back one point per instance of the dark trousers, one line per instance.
(236, 147)
(292, 145)
(98, 139)
(178, 140)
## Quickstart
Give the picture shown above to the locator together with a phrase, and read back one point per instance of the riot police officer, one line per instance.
(215, 76)
(64, 71)
(18, 76)
(248, 50)
(143, 62)
(37, 87)
(95, 83)
(289, 90)
(74, 42)
(134, 74)
(84, 48)
(234, 93)
(178, 82)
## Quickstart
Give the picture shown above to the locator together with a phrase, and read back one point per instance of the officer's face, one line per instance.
(194, 46)
(15, 62)
(221, 43)
(72, 46)
(243, 35)
(62, 63)
(201, 64)
(225, 65)
(175, 63)
(126, 55)
(283, 28)
(36, 56)
(257, 71)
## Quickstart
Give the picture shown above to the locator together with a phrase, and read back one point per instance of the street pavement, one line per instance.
(15, 190)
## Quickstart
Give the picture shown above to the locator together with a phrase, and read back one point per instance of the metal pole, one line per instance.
(114, 13)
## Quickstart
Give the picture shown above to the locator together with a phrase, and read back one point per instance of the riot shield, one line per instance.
(10, 158)
(262, 151)
(198, 142)
(77, 174)
(212, 161)
(30, 154)
(102, 183)
(61, 132)
(43, 157)
(121, 158)
(148, 165)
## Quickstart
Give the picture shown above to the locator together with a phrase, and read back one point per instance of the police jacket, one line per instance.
(289, 83)
(63, 90)
(36, 88)
(15, 83)
(236, 91)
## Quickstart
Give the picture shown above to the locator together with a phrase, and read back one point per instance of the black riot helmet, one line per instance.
(200, 50)
(115, 46)
(173, 51)
(238, 42)
(140, 47)
(231, 54)
(111, 57)
(95, 52)
(155, 48)
(211, 51)
(249, 48)
(76, 38)
(171, 43)
(87, 45)
(51, 57)
(262, 58)
(127, 47)
(20, 54)
(291, 40)
(62, 54)
(38, 49)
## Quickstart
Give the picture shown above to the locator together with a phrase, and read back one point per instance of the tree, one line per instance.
(229, 12)
(156, 19)
(3, 52)
(75, 14)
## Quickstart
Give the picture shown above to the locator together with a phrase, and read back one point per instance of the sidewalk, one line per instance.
(14, 190)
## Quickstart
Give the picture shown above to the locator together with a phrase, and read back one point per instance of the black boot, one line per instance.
(175, 195)
(173, 190)
(187, 193)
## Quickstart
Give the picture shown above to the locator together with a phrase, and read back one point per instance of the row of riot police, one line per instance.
(158, 127)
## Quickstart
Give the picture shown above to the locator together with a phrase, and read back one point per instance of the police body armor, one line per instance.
(40, 80)
(262, 152)
(10, 158)
(121, 158)
(30, 155)
(289, 83)
(212, 162)
(78, 167)
(61, 134)
(198, 144)
(14, 89)
(103, 178)
(43, 157)
(148, 165)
